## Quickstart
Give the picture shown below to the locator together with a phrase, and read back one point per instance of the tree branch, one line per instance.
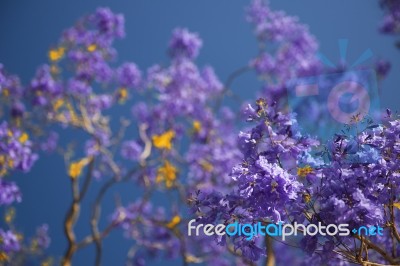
(270, 260)
(381, 252)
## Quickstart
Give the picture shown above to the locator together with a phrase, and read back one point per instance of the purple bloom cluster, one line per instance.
(42, 237)
(109, 24)
(44, 87)
(156, 236)
(356, 186)
(180, 113)
(129, 75)
(9, 193)
(183, 88)
(131, 150)
(291, 50)
(9, 241)
(15, 150)
(264, 187)
(16, 153)
(391, 21)
(87, 49)
(286, 177)
(10, 85)
(11, 92)
(183, 145)
(184, 44)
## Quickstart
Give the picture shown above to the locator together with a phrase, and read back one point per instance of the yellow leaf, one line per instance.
(196, 126)
(75, 168)
(56, 54)
(23, 138)
(123, 95)
(166, 173)
(92, 48)
(3, 256)
(174, 222)
(396, 205)
(164, 141)
(304, 171)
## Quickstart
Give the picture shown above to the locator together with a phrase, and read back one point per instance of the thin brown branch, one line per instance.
(89, 239)
(227, 86)
(74, 211)
(69, 223)
(234, 75)
(96, 216)
(395, 232)
(379, 250)
(270, 260)
(87, 180)
(377, 264)
(96, 213)
(234, 252)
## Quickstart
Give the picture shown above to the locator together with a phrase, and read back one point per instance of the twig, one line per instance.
(377, 264)
(96, 212)
(69, 223)
(270, 260)
(382, 252)
(227, 86)
(147, 144)
(239, 255)
(87, 181)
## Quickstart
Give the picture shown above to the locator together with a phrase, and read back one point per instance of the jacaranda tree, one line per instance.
(212, 162)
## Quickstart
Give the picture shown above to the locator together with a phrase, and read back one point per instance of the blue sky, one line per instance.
(29, 28)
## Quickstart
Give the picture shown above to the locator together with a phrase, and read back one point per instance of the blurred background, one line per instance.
(29, 28)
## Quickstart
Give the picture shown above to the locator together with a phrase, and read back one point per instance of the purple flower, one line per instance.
(43, 87)
(129, 75)
(91, 148)
(131, 150)
(210, 78)
(15, 150)
(42, 236)
(2, 77)
(257, 12)
(265, 63)
(391, 21)
(79, 87)
(9, 193)
(50, 143)
(17, 109)
(382, 68)
(97, 103)
(291, 51)
(390, 24)
(10, 85)
(9, 241)
(309, 244)
(184, 44)
(109, 23)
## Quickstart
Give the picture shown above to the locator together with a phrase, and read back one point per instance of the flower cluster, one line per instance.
(391, 21)
(265, 184)
(16, 154)
(181, 111)
(15, 150)
(180, 131)
(180, 144)
(291, 50)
